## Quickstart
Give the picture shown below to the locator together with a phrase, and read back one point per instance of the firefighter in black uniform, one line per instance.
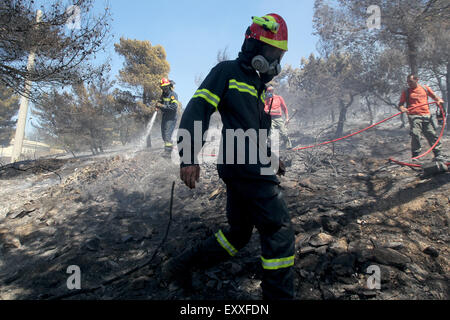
(168, 105)
(237, 90)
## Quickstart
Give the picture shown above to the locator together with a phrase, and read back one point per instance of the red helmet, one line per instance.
(270, 29)
(164, 82)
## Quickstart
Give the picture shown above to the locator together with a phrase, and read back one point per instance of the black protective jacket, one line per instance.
(170, 102)
(237, 92)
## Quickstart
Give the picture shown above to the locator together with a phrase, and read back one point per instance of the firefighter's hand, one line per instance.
(281, 168)
(403, 109)
(190, 175)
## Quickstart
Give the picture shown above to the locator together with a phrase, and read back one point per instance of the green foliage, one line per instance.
(84, 119)
(143, 69)
(9, 105)
(63, 55)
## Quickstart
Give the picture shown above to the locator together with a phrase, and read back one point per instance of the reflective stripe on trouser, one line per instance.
(266, 210)
(225, 243)
(422, 125)
(168, 124)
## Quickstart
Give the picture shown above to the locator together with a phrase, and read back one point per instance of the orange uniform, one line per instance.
(417, 97)
(278, 105)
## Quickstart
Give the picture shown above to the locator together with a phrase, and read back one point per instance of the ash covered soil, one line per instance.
(108, 215)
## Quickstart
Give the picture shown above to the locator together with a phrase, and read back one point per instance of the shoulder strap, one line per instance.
(426, 90)
(407, 97)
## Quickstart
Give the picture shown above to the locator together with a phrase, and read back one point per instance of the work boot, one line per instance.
(439, 158)
(288, 144)
(179, 270)
(202, 256)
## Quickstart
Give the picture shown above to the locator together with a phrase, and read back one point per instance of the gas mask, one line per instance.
(260, 64)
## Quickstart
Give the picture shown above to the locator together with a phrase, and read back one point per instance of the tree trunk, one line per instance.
(369, 107)
(343, 116)
(412, 55)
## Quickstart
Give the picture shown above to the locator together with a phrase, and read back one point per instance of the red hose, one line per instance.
(432, 147)
(380, 122)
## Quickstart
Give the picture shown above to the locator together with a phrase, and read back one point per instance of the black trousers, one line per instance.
(168, 123)
(261, 205)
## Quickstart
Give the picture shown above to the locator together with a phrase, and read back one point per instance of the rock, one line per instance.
(431, 252)
(289, 184)
(301, 240)
(306, 250)
(329, 224)
(321, 250)
(308, 263)
(11, 242)
(339, 246)
(391, 257)
(320, 239)
(395, 245)
(417, 271)
(359, 245)
(25, 230)
(306, 183)
(343, 265)
(140, 283)
(93, 244)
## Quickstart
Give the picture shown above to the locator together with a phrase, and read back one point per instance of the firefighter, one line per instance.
(168, 105)
(420, 120)
(236, 89)
(275, 106)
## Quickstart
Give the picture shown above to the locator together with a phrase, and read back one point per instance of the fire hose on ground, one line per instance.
(382, 121)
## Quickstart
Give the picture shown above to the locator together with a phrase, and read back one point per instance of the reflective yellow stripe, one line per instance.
(281, 44)
(208, 96)
(263, 97)
(274, 264)
(243, 87)
(225, 244)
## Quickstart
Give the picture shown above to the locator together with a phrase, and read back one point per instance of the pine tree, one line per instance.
(9, 106)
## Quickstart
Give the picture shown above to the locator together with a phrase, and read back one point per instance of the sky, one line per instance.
(192, 32)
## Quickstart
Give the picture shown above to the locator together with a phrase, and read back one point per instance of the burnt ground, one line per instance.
(350, 208)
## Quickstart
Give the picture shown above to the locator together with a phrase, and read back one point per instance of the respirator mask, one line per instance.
(260, 64)
(267, 63)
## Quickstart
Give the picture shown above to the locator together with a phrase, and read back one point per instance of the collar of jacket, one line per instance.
(167, 95)
(245, 66)
(250, 71)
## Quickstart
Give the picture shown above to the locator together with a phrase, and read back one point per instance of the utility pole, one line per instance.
(23, 110)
